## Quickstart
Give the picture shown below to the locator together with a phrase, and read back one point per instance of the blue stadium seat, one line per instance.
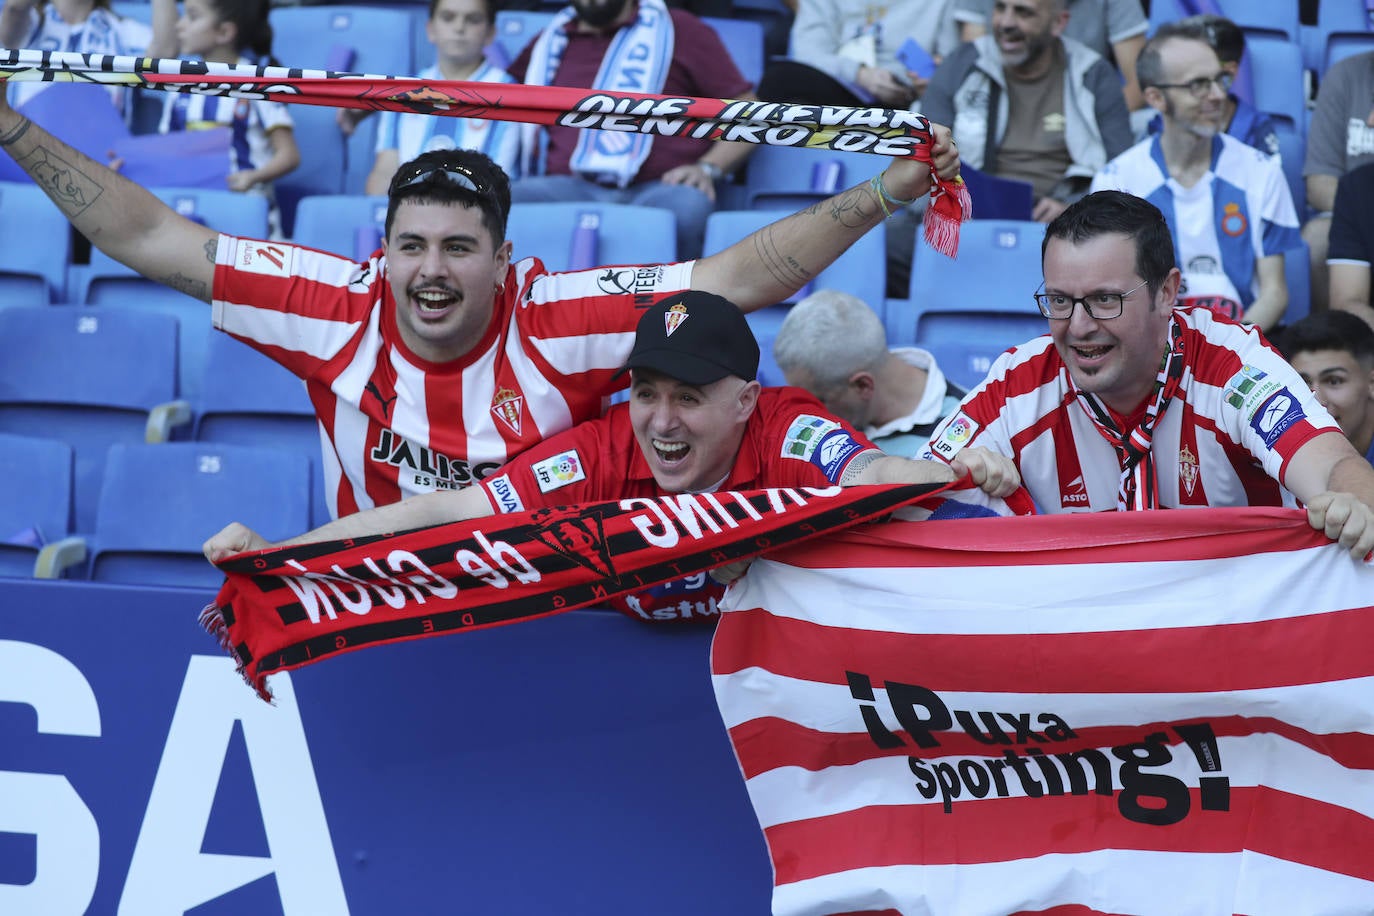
(515, 29)
(360, 151)
(743, 38)
(1334, 17)
(1292, 148)
(248, 399)
(107, 282)
(861, 271)
(1341, 45)
(35, 247)
(35, 499)
(1277, 80)
(789, 177)
(159, 503)
(998, 198)
(89, 377)
(1276, 17)
(972, 308)
(577, 235)
(324, 160)
(319, 37)
(1297, 271)
(342, 224)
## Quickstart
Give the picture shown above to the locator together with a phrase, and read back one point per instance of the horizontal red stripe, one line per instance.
(1072, 909)
(1106, 537)
(1261, 820)
(768, 743)
(1271, 653)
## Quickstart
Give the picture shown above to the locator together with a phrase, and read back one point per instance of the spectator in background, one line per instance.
(1115, 29)
(1334, 354)
(641, 46)
(84, 26)
(1352, 243)
(1243, 121)
(1340, 137)
(459, 31)
(833, 345)
(1027, 103)
(847, 52)
(262, 145)
(1228, 205)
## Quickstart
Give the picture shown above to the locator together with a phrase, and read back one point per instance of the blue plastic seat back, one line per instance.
(88, 377)
(160, 502)
(1276, 76)
(35, 499)
(559, 234)
(743, 38)
(35, 247)
(514, 30)
(983, 297)
(362, 39)
(790, 177)
(342, 224)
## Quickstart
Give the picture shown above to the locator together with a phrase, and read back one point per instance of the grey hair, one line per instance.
(830, 335)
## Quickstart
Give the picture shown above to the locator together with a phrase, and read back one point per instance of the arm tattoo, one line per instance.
(854, 209)
(783, 268)
(70, 188)
(211, 247)
(188, 285)
(19, 130)
(850, 477)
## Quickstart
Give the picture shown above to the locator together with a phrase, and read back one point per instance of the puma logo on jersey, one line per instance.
(372, 389)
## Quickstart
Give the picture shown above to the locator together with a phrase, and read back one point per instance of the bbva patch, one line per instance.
(507, 499)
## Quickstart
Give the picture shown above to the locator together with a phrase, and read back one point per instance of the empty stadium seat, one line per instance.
(860, 271)
(89, 377)
(1346, 44)
(341, 224)
(1297, 271)
(106, 282)
(968, 310)
(1341, 18)
(35, 499)
(577, 235)
(35, 247)
(743, 38)
(320, 37)
(790, 177)
(998, 198)
(324, 161)
(1292, 148)
(159, 503)
(248, 399)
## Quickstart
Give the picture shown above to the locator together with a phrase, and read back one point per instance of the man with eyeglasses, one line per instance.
(1132, 402)
(441, 356)
(1227, 203)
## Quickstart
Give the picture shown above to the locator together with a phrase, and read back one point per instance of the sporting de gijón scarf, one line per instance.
(1156, 712)
(882, 131)
(286, 607)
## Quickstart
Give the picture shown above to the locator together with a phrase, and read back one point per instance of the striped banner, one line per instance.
(1151, 712)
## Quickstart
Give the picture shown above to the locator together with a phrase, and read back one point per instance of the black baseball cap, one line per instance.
(695, 337)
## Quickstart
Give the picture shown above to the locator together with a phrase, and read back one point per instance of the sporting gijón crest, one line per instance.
(508, 406)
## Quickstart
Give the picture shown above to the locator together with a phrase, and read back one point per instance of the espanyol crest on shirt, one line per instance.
(674, 317)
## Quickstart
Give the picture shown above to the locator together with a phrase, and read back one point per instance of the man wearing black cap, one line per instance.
(697, 421)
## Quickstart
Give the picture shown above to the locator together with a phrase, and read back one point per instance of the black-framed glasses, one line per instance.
(458, 176)
(1098, 305)
(1199, 87)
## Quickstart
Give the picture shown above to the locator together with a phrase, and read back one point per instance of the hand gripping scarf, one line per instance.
(1139, 485)
(875, 130)
(286, 607)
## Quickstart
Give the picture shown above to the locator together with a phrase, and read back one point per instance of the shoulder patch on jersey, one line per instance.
(507, 500)
(1276, 416)
(821, 441)
(264, 258)
(958, 432)
(805, 433)
(559, 471)
(1249, 388)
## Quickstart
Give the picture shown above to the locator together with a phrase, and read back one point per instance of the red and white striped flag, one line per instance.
(1162, 712)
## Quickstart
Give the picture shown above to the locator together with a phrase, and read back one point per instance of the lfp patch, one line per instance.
(1276, 416)
(958, 432)
(558, 471)
(821, 441)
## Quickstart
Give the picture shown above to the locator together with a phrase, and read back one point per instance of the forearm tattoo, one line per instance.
(70, 188)
(188, 285)
(781, 267)
(855, 209)
(16, 132)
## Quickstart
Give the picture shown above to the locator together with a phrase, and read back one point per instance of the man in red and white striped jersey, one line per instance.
(439, 358)
(1132, 403)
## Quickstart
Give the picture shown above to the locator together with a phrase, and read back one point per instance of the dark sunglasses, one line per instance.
(437, 174)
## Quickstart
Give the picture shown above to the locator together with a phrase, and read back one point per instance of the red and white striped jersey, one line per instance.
(394, 425)
(1225, 439)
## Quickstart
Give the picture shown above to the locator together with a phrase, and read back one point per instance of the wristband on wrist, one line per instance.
(713, 171)
(882, 190)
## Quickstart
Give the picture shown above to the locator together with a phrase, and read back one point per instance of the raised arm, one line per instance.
(423, 511)
(120, 218)
(164, 22)
(784, 256)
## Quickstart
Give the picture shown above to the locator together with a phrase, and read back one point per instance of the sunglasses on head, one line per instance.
(439, 174)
